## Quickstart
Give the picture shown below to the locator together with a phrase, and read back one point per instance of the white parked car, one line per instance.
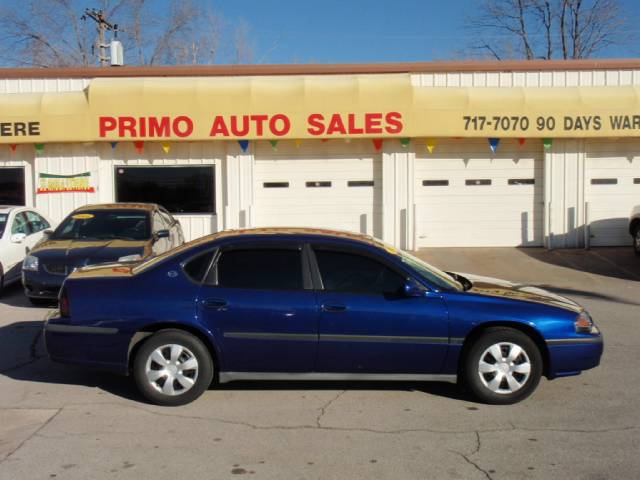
(20, 229)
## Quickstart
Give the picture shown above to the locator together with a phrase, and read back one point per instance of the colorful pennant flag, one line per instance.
(377, 143)
(547, 142)
(139, 146)
(113, 145)
(431, 145)
(404, 142)
(13, 147)
(493, 143)
(298, 142)
(274, 144)
(347, 140)
(39, 147)
(166, 147)
(324, 140)
(521, 141)
(244, 144)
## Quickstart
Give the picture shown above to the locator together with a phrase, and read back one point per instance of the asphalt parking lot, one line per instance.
(66, 423)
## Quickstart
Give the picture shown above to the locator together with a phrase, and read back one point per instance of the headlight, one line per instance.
(130, 258)
(30, 263)
(584, 324)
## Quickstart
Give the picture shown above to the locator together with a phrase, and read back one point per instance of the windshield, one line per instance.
(104, 225)
(3, 222)
(430, 273)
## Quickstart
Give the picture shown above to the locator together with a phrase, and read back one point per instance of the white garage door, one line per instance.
(612, 189)
(467, 196)
(340, 192)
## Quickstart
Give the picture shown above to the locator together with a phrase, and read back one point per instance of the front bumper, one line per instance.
(41, 285)
(571, 356)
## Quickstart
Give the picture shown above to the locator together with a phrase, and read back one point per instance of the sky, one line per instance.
(355, 31)
(328, 31)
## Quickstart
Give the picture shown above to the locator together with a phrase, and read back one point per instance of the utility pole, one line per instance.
(99, 17)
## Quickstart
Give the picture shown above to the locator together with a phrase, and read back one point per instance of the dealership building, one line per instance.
(536, 153)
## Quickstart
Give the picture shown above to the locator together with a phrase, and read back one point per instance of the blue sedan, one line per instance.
(311, 304)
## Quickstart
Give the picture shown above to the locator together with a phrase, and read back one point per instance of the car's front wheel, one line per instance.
(636, 241)
(503, 366)
(172, 367)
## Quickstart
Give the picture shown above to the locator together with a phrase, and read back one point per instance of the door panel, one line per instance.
(368, 324)
(261, 330)
(255, 301)
(374, 334)
(15, 252)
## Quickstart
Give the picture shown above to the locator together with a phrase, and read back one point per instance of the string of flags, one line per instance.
(405, 142)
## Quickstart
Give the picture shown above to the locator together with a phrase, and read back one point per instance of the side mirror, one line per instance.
(161, 234)
(47, 233)
(413, 289)
(18, 237)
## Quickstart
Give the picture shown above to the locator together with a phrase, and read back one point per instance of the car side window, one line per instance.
(20, 224)
(36, 221)
(198, 266)
(353, 273)
(260, 269)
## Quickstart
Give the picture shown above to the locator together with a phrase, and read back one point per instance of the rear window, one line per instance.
(104, 225)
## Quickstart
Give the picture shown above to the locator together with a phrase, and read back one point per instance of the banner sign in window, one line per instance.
(49, 183)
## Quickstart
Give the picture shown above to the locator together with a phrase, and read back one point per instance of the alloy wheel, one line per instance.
(172, 369)
(504, 367)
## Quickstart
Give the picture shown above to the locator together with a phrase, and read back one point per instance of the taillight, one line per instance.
(64, 304)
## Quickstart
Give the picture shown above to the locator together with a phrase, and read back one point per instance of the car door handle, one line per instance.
(216, 303)
(332, 307)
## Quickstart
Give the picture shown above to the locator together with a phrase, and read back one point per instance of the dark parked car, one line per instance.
(97, 234)
(286, 304)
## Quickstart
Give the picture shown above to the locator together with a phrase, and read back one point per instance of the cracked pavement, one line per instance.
(68, 423)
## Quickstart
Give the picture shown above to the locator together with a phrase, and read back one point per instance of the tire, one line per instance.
(1, 279)
(176, 348)
(636, 240)
(503, 382)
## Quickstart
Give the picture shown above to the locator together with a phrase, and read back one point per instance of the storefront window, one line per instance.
(178, 189)
(12, 186)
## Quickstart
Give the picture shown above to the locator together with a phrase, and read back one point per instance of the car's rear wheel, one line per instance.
(503, 366)
(636, 240)
(172, 367)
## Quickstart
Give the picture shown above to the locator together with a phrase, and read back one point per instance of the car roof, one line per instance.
(281, 232)
(277, 232)
(149, 207)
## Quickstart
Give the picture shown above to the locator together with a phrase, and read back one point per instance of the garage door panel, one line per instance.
(340, 206)
(494, 214)
(611, 203)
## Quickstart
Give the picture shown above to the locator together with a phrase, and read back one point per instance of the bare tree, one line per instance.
(52, 33)
(548, 28)
(242, 49)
